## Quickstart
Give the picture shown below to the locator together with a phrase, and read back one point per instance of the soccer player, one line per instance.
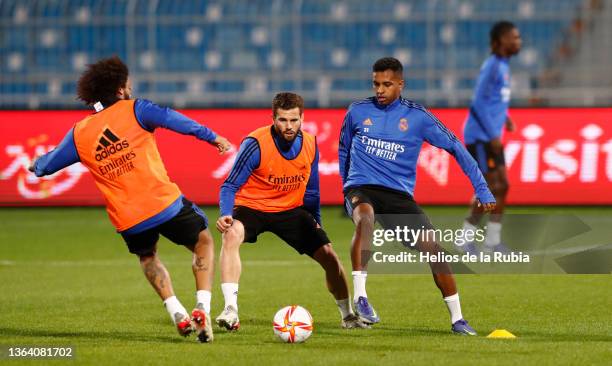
(380, 141)
(483, 129)
(117, 145)
(274, 186)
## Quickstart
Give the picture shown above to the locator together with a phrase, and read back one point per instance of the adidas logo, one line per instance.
(104, 140)
(109, 144)
(368, 122)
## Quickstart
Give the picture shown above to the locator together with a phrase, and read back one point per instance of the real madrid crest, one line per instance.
(403, 125)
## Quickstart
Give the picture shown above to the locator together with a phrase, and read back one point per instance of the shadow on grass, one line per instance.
(564, 337)
(334, 329)
(91, 335)
(383, 330)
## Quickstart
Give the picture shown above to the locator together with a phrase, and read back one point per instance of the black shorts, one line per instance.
(487, 159)
(297, 227)
(182, 229)
(392, 208)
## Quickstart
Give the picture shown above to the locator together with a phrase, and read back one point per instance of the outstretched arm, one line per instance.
(438, 135)
(65, 154)
(151, 116)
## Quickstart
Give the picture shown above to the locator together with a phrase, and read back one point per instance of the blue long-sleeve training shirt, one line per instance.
(247, 160)
(150, 116)
(489, 109)
(380, 145)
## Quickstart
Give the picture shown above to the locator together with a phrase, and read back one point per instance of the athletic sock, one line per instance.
(454, 307)
(344, 306)
(230, 294)
(359, 284)
(467, 227)
(203, 300)
(493, 234)
(173, 306)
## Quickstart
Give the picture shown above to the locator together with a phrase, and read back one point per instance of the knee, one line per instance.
(205, 239)
(505, 186)
(430, 247)
(364, 217)
(501, 187)
(147, 258)
(329, 253)
(232, 238)
(328, 257)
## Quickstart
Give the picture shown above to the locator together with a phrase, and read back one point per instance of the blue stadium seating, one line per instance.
(291, 43)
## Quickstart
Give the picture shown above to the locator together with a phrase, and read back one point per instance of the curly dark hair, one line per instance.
(101, 81)
(287, 101)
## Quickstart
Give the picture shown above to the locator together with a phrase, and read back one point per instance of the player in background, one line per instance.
(483, 129)
(274, 186)
(380, 141)
(117, 145)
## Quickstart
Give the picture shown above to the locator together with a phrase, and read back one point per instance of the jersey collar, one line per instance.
(501, 58)
(388, 107)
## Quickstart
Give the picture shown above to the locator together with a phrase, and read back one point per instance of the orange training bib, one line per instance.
(125, 164)
(278, 184)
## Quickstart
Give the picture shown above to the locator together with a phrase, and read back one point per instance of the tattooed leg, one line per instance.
(157, 275)
(203, 261)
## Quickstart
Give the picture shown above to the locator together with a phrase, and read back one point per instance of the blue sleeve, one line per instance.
(481, 104)
(438, 135)
(312, 197)
(246, 161)
(65, 154)
(344, 146)
(151, 116)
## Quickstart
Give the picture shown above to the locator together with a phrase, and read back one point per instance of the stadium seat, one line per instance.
(290, 43)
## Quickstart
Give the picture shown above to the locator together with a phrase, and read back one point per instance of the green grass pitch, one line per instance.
(67, 279)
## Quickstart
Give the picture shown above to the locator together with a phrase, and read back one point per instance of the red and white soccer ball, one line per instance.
(293, 324)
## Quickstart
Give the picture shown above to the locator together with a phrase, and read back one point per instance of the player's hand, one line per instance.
(222, 144)
(510, 126)
(497, 146)
(224, 223)
(32, 166)
(487, 207)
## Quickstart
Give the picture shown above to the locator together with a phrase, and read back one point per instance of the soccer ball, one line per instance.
(293, 324)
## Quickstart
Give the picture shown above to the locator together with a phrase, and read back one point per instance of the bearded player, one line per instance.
(274, 186)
